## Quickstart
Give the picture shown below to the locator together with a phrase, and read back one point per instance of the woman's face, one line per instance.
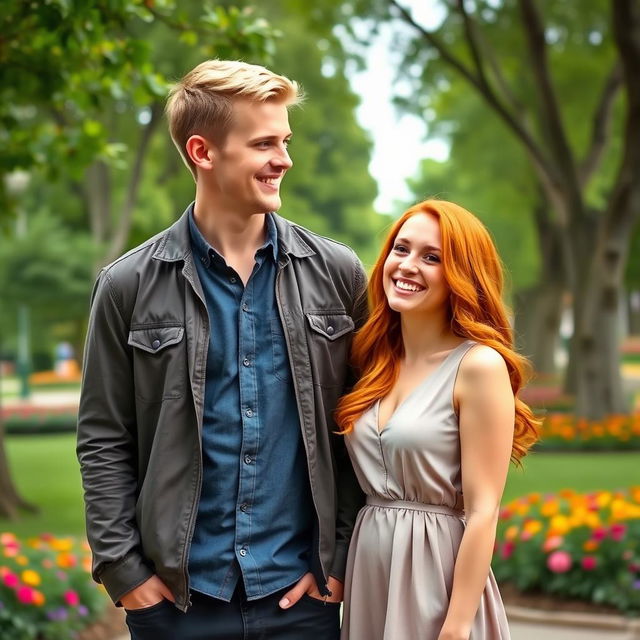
(413, 277)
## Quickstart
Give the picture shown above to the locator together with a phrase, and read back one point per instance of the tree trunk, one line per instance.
(10, 501)
(538, 312)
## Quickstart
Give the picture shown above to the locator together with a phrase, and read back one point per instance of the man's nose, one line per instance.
(282, 160)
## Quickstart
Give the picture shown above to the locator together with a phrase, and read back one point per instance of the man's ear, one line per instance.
(201, 152)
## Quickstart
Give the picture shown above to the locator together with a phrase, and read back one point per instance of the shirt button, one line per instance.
(155, 344)
(243, 552)
(245, 306)
(246, 362)
(248, 459)
(244, 507)
(232, 279)
(330, 330)
(248, 413)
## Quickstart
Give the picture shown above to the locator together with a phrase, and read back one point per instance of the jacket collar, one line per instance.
(175, 242)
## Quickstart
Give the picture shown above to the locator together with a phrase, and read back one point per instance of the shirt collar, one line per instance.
(206, 253)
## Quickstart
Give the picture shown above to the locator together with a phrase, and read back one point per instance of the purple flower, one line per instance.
(82, 610)
(58, 614)
(636, 584)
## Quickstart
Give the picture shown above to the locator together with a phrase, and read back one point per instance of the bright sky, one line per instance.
(399, 140)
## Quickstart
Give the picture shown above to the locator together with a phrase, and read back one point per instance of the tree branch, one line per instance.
(544, 168)
(601, 125)
(121, 235)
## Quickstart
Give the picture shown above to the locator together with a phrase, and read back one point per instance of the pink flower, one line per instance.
(618, 531)
(559, 562)
(11, 580)
(25, 595)
(599, 533)
(507, 549)
(589, 563)
(552, 543)
(71, 598)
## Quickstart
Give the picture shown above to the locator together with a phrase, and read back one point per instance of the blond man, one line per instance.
(219, 502)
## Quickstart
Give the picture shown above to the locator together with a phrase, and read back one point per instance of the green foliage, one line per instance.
(62, 63)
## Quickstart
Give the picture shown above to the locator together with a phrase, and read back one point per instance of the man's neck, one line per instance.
(235, 237)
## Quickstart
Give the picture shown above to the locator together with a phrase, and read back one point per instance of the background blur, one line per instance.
(527, 113)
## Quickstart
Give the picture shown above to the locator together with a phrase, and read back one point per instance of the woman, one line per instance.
(434, 417)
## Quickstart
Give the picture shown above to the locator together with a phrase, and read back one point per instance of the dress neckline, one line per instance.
(413, 391)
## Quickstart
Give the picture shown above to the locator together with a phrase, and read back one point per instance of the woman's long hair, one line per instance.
(473, 272)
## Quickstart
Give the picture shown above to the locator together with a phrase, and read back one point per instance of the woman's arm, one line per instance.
(485, 405)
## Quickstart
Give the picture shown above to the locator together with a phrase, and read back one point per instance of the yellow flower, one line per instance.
(30, 577)
(603, 499)
(511, 533)
(532, 526)
(22, 561)
(549, 508)
(61, 544)
(559, 524)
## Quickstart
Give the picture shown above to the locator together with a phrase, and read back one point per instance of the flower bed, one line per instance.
(36, 419)
(46, 590)
(573, 545)
(563, 431)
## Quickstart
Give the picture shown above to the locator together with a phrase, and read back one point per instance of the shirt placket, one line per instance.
(249, 454)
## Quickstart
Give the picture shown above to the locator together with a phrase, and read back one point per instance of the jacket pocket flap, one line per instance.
(331, 326)
(155, 339)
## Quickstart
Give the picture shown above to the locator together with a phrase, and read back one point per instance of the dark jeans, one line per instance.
(240, 619)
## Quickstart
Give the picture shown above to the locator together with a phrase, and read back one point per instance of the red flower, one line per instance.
(589, 563)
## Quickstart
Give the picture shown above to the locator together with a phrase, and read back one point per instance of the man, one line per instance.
(216, 353)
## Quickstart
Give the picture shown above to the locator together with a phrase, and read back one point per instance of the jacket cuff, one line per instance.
(124, 575)
(339, 566)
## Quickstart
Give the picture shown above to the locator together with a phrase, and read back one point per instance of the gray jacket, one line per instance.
(140, 418)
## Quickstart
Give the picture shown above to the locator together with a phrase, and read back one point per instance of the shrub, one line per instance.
(573, 545)
(46, 590)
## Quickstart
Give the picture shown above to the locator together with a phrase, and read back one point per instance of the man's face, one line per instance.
(251, 162)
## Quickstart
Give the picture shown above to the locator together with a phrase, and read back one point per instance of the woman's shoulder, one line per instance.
(482, 361)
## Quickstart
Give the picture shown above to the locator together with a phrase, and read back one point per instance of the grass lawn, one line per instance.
(549, 472)
(46, 472)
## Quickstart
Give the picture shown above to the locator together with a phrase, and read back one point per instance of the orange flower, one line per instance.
(590, 545)
(549, 508)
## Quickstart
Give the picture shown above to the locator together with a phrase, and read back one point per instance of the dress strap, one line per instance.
(377, 501)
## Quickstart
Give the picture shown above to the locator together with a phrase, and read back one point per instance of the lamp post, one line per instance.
(17, 183)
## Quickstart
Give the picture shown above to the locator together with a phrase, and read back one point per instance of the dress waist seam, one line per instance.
(387, 503)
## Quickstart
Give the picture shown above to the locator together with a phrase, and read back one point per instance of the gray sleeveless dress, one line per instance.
(406, 538)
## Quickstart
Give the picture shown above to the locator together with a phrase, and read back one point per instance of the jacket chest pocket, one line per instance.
(329, 341)
(159, 362)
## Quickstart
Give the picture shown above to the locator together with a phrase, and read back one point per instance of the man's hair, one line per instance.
(202, 102)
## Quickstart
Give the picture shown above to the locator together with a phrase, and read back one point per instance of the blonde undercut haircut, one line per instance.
(202, 102)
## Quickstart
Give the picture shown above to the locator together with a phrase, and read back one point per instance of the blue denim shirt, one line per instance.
(255, 513)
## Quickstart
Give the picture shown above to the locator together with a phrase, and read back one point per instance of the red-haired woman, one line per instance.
(430, 427)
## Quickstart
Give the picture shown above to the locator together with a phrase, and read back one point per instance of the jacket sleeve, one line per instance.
(106, 446)
(350, 496)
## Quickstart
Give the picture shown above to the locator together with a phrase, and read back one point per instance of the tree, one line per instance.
(62, 64)
(507, 53)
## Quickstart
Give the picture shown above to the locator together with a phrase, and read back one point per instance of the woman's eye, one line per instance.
(399, 248)
(432, 257)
